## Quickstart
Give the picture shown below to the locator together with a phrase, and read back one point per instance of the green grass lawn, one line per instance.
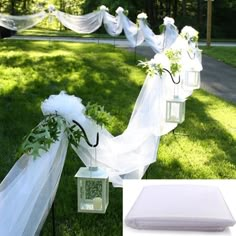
(38, 31)
(203, 146)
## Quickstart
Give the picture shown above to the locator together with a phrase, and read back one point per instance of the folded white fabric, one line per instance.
(180, 207)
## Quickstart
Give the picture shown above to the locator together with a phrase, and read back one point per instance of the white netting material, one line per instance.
(27, 192)
(19, 23)
(89, 23)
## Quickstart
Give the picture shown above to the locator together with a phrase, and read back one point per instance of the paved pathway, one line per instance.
(216, 77)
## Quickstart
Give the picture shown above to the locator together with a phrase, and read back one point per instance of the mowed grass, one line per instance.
(202, 147)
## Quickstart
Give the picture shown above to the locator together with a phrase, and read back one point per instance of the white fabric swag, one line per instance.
(27, 192)
(89, 23)
(20, 23)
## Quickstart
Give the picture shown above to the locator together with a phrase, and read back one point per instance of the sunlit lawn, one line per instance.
(203, 146)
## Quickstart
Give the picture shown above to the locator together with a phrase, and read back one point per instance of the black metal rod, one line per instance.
(53, 220)
(172, 77)
(85, 135)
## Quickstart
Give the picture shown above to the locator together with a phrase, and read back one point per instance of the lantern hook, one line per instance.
(85, 135)
(171, 76)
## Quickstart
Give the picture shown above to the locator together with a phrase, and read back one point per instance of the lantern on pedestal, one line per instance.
(93, 190)
(191, 80)
(175, 110)
(92, 185)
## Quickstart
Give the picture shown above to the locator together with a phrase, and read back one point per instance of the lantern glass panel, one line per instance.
(175, 110)
(191, 80)
(199, 55)
(93, 190)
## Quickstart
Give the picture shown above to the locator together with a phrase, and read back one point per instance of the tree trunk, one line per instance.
(168, 8)
(199, 14)
(151, 11)
(12, 9)
(175, 8)
(184, 7)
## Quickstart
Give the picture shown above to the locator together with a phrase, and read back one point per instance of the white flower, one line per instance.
(142, 16)
(157, 65)
(119, 10)
(104, 8)
(69, 107)
(168, 20)
(161, 58)
(189, 33)
(51, 8)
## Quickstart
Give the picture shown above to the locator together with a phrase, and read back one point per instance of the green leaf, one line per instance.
(162, 28)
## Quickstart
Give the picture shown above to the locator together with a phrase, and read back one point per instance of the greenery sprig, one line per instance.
(42, 136)
(49, 129)
(170, 59)
(152, 68)
(174, 56)
(97, 113)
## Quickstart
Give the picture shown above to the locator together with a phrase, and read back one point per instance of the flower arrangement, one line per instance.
(175, 60)
(168, 60)
(48, 130)
(189, 34)
(121, 10)
(156, 65)
(103, 8)
(142, 16)
(166, 21)
(51, 8)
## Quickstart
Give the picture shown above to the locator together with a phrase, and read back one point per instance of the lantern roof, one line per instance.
(92, 173)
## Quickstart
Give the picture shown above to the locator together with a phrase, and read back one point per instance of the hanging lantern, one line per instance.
(191, 80)
(93, 190)
(92, 184)
(175, 110)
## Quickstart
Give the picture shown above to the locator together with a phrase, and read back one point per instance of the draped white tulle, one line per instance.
(27, 192)
(19, 23)
(89, 23)
(85, 24)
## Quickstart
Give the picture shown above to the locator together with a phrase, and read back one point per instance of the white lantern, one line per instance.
(93, 190)
(198, 54)
(191, 80)
(175, 110)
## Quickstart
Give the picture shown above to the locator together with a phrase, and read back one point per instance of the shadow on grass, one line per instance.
(206, 150)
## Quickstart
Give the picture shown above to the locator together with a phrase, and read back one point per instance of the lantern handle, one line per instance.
(86, 137)
(191, 57)
(171, 76)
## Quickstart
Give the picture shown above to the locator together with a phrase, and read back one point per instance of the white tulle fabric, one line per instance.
(20, 23)
(89, 23)
(27, 192)
(85, 24)
(159, 42)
